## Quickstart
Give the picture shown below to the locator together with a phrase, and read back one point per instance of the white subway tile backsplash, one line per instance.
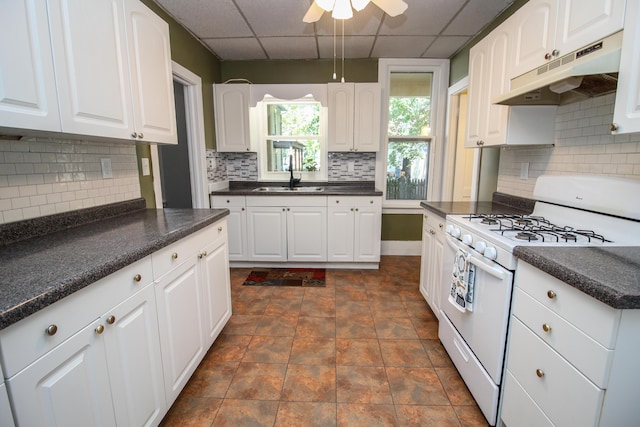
(45, 176)
(583, 145)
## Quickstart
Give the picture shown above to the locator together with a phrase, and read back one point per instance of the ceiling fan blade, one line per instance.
(313, 14)
(391, 7)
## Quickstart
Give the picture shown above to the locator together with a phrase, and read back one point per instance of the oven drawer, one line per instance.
(566, 396)
(518, 408)
(479, 383)
(594, 318)
(592, 359)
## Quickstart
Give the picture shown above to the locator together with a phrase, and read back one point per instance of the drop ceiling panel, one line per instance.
(290, 47)
(354, 46)
(276, 17)
(208, 18)
(236, 49)
(445, 46)
(422, 18)
(401, 46)
(365, 23)
(475, 16)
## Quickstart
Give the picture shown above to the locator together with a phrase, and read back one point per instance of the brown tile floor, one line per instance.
(362, 351)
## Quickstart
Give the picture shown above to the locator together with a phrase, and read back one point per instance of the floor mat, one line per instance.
(307, 277)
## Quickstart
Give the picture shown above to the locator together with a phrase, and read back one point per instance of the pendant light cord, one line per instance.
(342, 51)
(334, 50)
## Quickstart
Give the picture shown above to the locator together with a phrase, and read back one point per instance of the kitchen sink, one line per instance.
(289, 190)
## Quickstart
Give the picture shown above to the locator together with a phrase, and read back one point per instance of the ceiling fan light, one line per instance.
(359, 4)
(326, 4)
(342, 10)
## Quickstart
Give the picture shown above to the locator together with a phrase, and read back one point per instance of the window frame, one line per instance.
(440, 70)
(261, 116)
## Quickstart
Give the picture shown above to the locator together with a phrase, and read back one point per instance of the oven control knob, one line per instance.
(467, 239)
(448, 228)
(490, 252)
(480, 247)
(455, 232)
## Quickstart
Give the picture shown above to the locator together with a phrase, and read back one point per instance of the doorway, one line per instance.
(190, 126)
(175, 172)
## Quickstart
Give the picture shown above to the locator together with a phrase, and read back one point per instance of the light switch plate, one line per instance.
(524, 170)
(107, 172)
(145, 166)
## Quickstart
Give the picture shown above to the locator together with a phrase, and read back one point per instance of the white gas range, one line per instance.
(570, 211)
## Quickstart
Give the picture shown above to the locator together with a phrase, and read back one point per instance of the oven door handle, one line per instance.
(482, 265)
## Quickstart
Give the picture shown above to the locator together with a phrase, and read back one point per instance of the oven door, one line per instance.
(485, 328)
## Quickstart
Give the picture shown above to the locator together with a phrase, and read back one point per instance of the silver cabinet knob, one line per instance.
(140, 135)
(480, 143)
(555, 53)
(51, 330)
(551, 294)
(547, 56)
(546, 327)
(539, 373)
(137, 278)
(613, 128)
(134, 134)
(99, 329)
(220, 229)
(174, 255)
(111, 319)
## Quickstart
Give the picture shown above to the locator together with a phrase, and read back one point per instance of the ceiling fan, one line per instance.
(341, 9)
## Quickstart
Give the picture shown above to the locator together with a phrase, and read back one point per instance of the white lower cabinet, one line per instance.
(236, 224)
(354, 225)
(431, 264)
(571, 359)
(119, 351)
(6, 417)
(287, 228)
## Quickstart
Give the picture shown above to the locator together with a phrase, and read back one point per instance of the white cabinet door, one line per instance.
(340, 226)
(307, 234)
(68, 387)
(135, 366)
(180, 323)
(151, 74)
(626, 115)
(231, 105)
(497, 82)
(267, 233)
(478, 95)
(435, 279)
(341, 102)
(425, 261)
(367, 228)
(27, 84)
(366, 126)
(582, 22)
(236, 224)
(216, 285)
(6, 415)
(534, 35)
(91, 67)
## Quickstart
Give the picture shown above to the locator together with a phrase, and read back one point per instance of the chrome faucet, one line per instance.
(292, 181)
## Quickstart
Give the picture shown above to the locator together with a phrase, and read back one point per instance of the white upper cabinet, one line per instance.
(27, 83)
(149, 51)
(626, 115)
(92, 68)
(547, 29)
(354, 116)
(231, 109)
(106, 64)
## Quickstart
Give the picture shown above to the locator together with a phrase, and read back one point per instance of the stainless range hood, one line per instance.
(584, 73)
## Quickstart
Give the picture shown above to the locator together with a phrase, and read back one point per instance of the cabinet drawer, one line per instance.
(549, 379)
(433, 222)
(266, 201)
(592, 359)
(354, 201)
(594, 318)
(518, 409)
(27, 340)
(178, 252)
(227, 201)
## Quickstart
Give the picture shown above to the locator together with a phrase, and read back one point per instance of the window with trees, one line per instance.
(408, 135)
(293, 134)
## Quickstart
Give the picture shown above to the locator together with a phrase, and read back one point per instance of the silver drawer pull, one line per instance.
(539, 373)
(51, 330)
(551, 294)
(546, 327)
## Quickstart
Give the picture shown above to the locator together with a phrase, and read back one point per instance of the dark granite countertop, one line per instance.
(608, 274)
(40, 270)
(347, 188)
(501, 203)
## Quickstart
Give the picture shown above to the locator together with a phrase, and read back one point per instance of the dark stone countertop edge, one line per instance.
(343, 188)
(501, 203)
(609, 274)
(71, 284)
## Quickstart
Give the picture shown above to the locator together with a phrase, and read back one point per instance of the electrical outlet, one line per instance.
(107, 172)
(351, 166)
(145, 166)
(524, 170)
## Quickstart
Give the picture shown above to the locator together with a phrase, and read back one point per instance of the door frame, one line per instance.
(452, 138)
(195, 140)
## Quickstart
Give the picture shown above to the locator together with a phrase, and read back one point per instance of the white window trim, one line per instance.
(263, 174)
(440, 70)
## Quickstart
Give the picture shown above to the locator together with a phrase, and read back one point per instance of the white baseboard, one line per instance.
(397, 247)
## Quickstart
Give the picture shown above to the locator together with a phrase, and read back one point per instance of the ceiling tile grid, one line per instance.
(236, 30)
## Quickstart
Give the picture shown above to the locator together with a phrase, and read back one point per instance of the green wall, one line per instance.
(459, 65)
(402, 227)
(300, 71)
